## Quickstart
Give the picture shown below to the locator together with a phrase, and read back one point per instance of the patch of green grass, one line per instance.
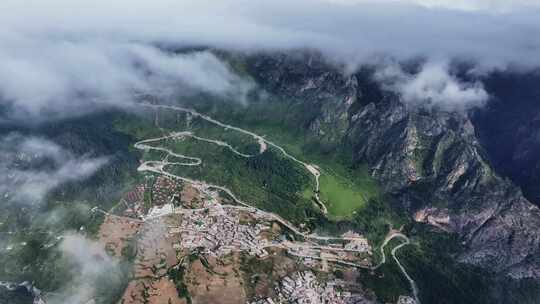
(307, 193)
(341, 199)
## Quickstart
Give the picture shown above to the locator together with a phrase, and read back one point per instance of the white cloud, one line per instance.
(492, 6)
(200, 71)
(89, 255)
(31, 167)
(433, 86)
(401, 28)
(91, 264)
(66, 57)
(48, 77)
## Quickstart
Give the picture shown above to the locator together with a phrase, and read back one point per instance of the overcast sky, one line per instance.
(491, 6)
(59, 54)
(494, 31)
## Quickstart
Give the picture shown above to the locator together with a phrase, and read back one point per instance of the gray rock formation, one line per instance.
(430, 159)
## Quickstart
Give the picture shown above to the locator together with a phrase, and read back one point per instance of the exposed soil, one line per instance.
(220, 282)
(116, 232)
(151, 291)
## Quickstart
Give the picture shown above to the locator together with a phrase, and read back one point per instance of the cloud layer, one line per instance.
(64, 57)
(490, 6)
(72, 77)
(92, 268)
(401, 28)
(433, 86)
(33, 166)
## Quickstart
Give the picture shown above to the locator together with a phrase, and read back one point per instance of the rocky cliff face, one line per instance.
(430, 160)
(435, 164)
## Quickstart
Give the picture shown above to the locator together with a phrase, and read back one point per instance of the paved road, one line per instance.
(158, 167)
(412, 283)
(263, 143)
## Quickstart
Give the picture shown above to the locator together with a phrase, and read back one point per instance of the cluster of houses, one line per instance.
(133, 201)
(352, 250)
(406, 300)
(161, 192)
(164, 190)
(217, 231)
(304, 288)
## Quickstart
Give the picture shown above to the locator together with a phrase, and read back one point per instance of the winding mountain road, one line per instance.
(263, 143)
(158, 167)
(412, 283)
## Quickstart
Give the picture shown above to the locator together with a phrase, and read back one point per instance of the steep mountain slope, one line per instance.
(430, 160)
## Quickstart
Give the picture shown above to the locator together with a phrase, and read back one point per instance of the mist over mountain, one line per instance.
(348, 124)
(64, 57)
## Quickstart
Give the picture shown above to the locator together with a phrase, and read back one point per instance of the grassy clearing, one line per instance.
(339, 195)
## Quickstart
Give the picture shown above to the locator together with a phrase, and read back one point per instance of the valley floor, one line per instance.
(224, 233)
